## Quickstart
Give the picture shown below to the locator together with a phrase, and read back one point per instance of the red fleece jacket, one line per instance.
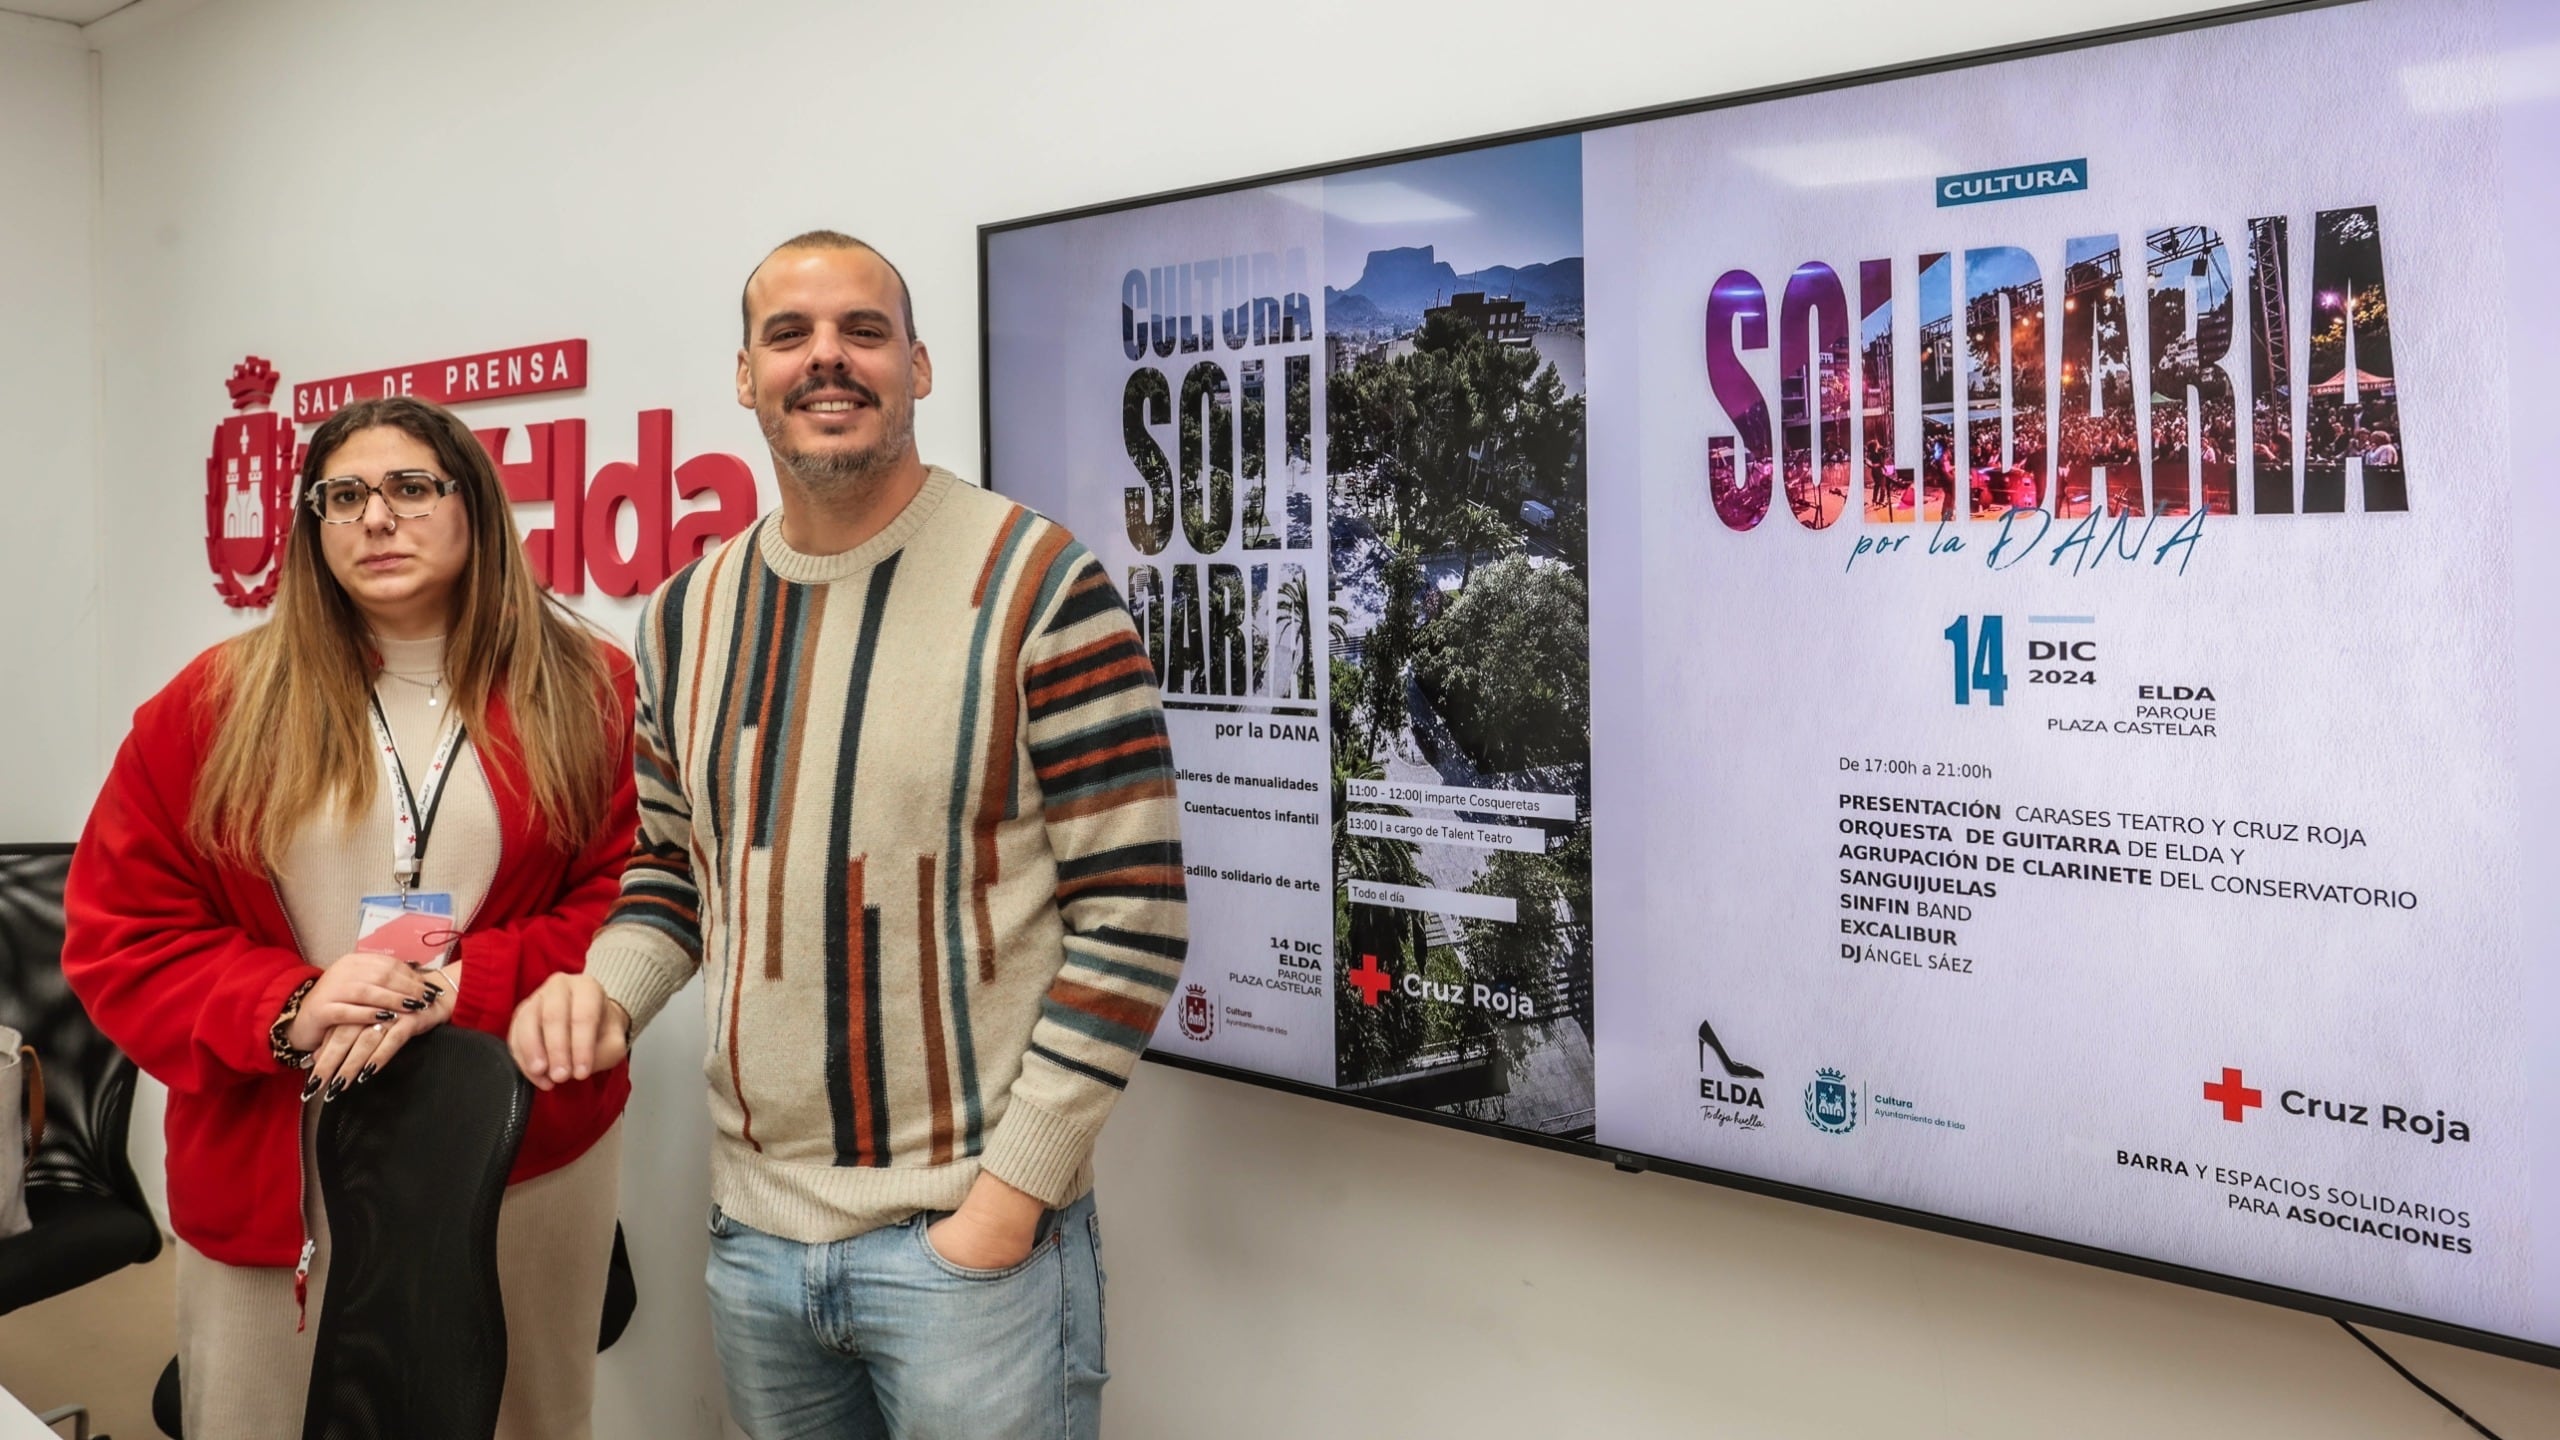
(185, 962)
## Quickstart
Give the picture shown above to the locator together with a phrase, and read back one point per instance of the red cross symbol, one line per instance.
(2234, 1097)
(1369, 980)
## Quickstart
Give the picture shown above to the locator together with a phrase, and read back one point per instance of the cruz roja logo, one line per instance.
(1830, 1103)
(1374, 983)
(2233, 1095)
(1369, 980)
(2236, 1099)
(1730, 1098)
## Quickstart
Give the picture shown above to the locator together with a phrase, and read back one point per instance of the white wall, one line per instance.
(339, 184)
(48, 423)
(57, 736)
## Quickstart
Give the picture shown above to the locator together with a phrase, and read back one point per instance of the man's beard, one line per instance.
(832, 473)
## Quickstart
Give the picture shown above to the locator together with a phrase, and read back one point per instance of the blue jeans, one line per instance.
(880, 1338)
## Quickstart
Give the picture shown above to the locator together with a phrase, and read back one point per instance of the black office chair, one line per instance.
(89, 1215)
(413, 1339)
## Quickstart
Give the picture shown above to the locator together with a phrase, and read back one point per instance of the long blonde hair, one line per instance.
(292, 695)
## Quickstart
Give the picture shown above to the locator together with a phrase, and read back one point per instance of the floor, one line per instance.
(102, 1345)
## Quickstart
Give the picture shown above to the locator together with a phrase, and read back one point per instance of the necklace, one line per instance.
(434, 688)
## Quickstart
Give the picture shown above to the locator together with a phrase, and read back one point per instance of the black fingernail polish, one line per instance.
(364, 1074)
(412, 1006)
(336, 1089)
(312, 1088)
(384, 1015)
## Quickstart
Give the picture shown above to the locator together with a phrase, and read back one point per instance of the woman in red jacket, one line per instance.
(417, 729)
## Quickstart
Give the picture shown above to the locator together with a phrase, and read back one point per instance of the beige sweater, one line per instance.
(909, 811)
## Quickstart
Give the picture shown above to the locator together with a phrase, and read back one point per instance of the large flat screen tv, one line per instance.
(1969, 643)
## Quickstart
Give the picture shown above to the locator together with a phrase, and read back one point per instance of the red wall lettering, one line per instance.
(582, 538)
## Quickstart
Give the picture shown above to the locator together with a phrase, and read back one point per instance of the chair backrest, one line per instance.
(88, 1082)
(412, 1340)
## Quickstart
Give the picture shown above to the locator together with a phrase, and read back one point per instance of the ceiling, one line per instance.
(77, 12)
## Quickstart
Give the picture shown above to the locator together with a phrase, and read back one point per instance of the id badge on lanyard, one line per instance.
(410, 924)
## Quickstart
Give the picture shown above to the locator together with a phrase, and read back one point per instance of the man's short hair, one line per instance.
(827, 240)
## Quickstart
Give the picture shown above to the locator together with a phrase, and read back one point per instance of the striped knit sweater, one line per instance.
(909, 810)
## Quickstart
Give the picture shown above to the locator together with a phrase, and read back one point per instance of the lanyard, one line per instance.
(413, 816)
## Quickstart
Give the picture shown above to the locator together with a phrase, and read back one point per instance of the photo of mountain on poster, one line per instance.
(1458, 616)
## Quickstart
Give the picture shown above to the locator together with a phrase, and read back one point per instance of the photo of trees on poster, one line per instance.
(1459, 631)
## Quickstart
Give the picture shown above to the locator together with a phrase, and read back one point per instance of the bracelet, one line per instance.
(286, 1055)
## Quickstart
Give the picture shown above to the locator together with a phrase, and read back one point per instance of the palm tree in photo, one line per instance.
(1371, 1038)
(1294, 621)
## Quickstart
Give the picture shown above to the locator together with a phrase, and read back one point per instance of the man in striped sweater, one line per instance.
(907, 808)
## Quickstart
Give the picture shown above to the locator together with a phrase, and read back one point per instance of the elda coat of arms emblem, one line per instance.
(1199, 1016)
(248, 499)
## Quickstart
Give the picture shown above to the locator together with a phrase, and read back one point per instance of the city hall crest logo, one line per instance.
(1830, 1104)
(248, 499)
(1199, 1016)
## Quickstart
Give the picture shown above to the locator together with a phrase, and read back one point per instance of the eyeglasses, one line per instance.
(407, 494)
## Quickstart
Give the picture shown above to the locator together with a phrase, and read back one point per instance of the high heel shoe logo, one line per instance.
(1729, 1099)
(1707, 1041)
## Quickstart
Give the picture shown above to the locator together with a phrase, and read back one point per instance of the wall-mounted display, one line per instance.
(1959, 643)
